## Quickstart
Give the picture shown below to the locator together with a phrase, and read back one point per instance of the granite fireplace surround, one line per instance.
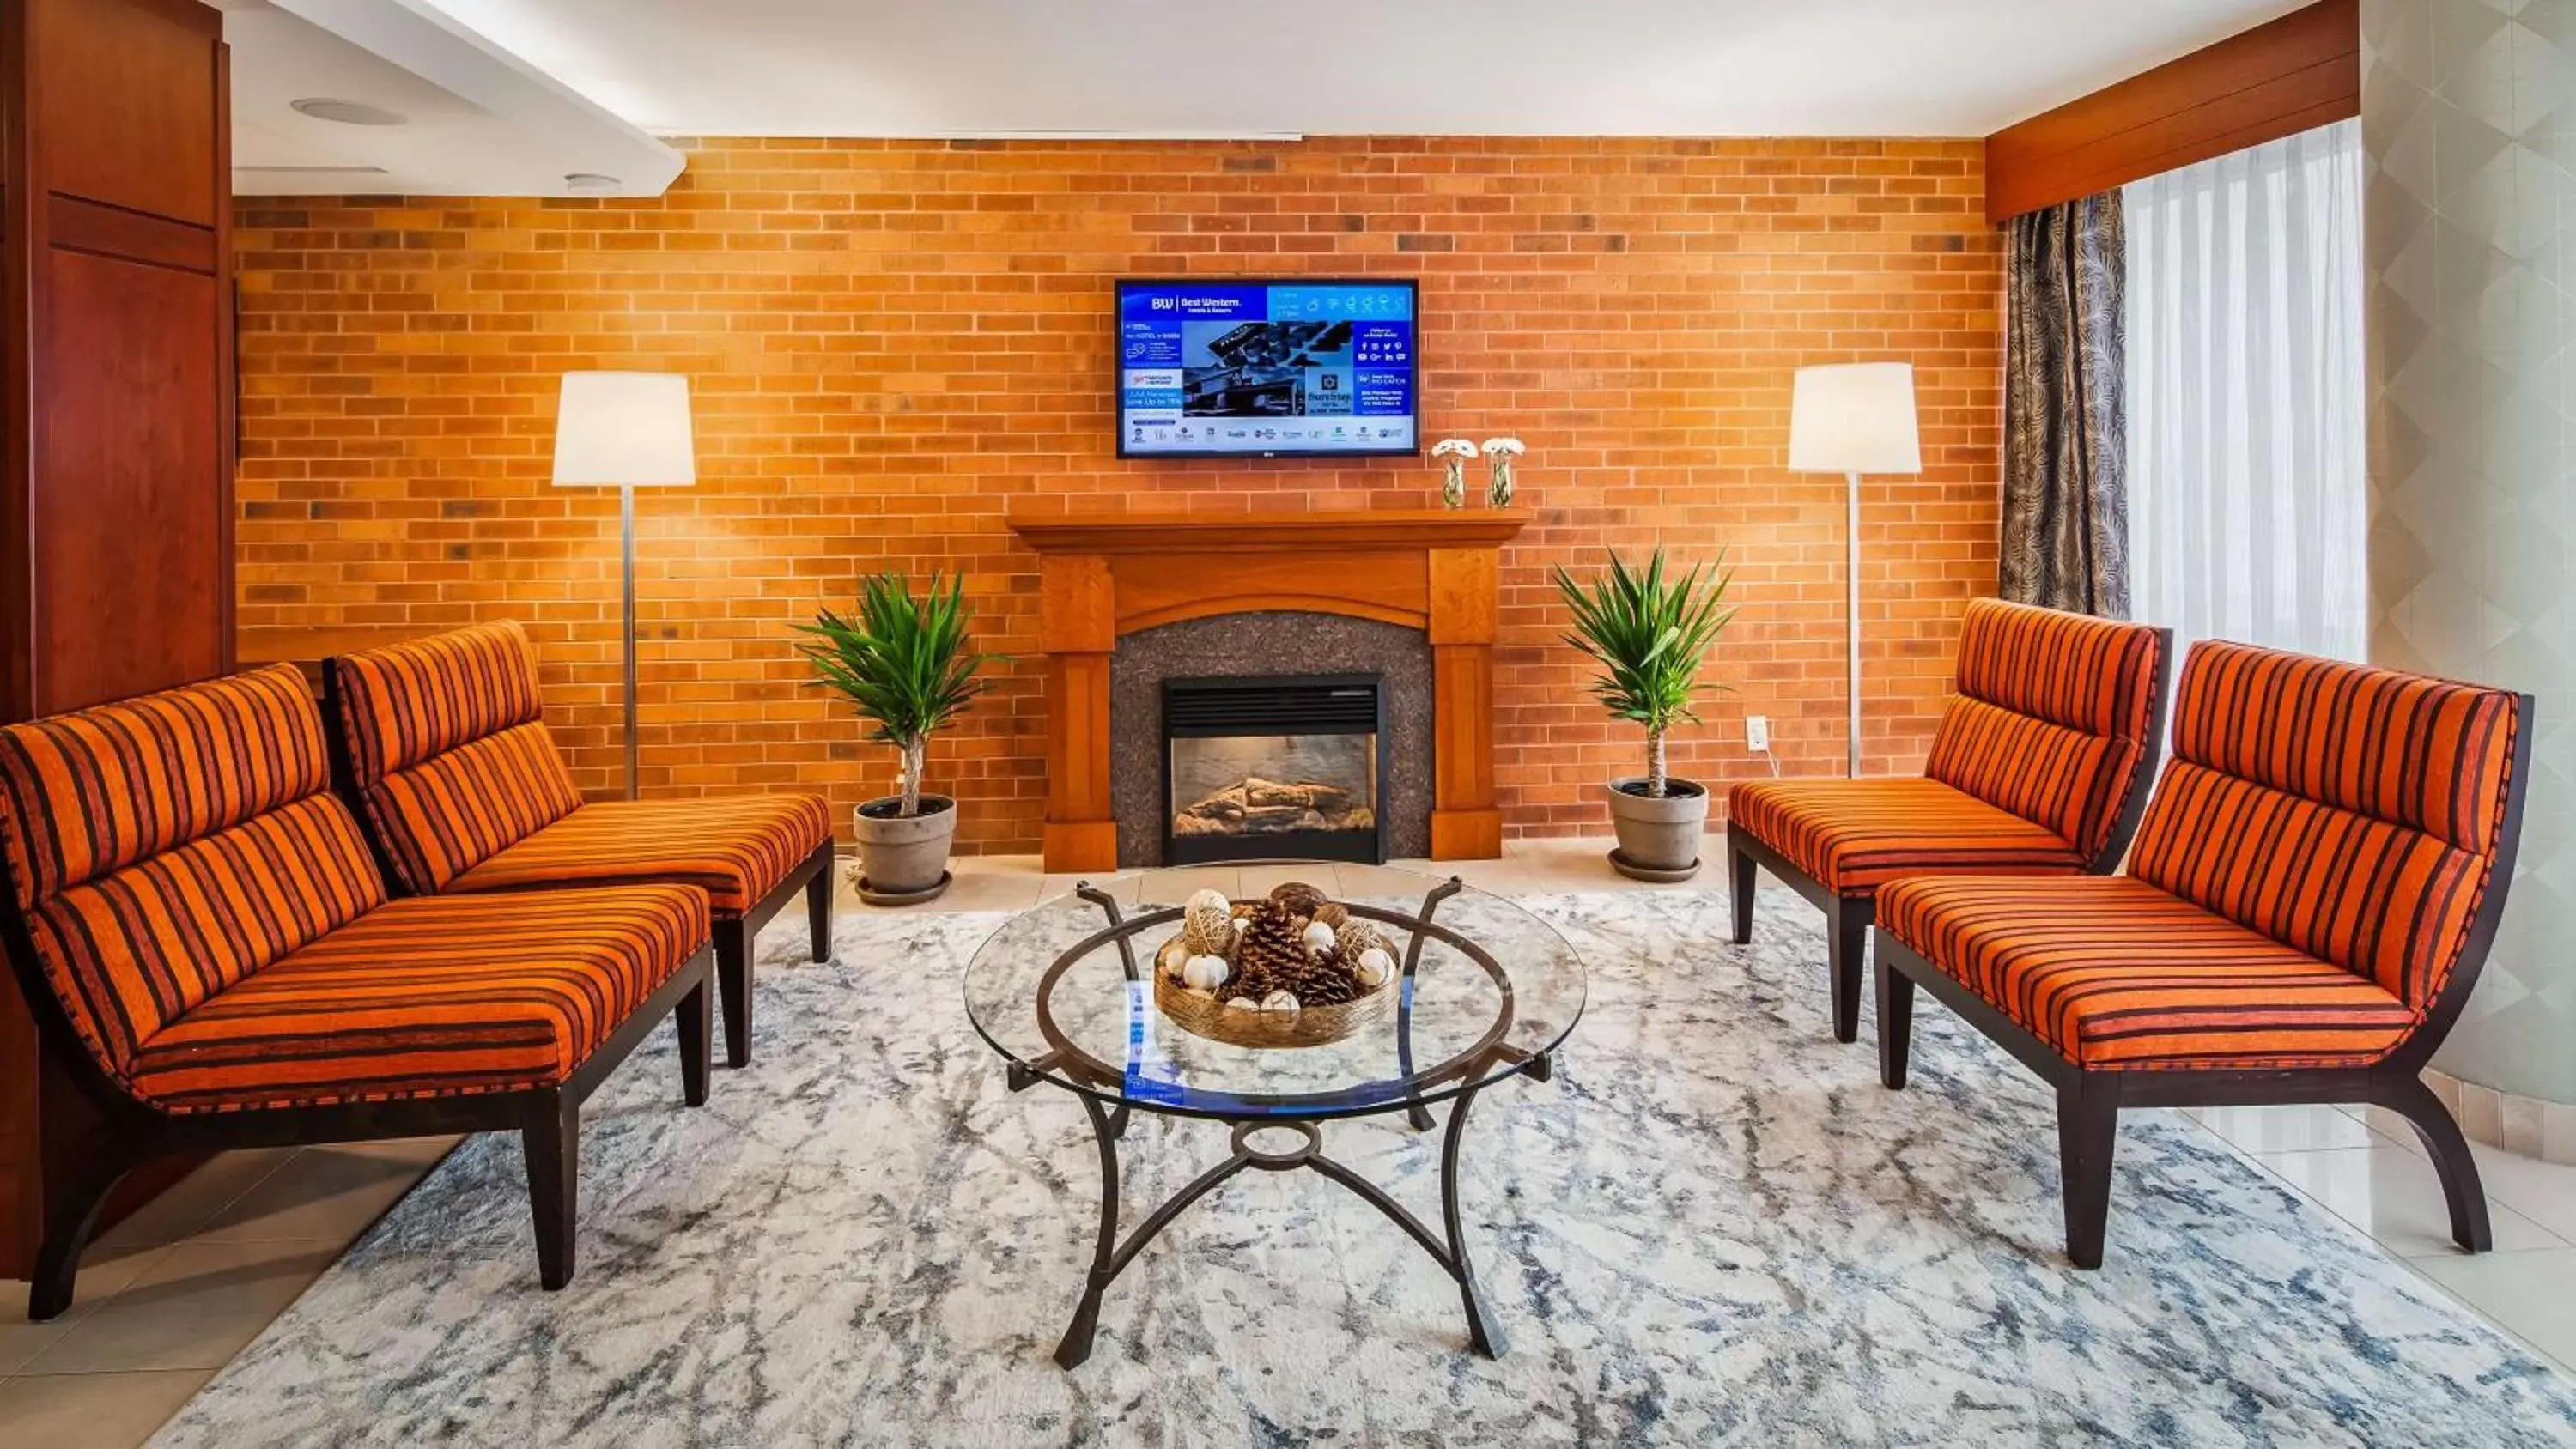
(1266, 643)
(1410, 594)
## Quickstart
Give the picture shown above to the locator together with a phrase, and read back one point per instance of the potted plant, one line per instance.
(906, 666)
(1650, 634)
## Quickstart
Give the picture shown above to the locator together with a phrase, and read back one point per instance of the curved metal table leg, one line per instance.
(1483, 1332)
(1076, 1344)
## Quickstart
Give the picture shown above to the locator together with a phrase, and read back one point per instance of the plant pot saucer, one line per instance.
(930, 892)
(1654, 875)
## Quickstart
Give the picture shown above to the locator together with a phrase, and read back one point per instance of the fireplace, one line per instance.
(1256, 767)
(1116, 591)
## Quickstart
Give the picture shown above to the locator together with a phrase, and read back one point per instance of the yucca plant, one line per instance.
(1650, 634)
(905, 664)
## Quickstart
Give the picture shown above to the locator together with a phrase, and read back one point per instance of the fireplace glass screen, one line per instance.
(1273, 767)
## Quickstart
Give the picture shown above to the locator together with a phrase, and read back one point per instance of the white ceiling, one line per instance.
(1237, 67)
(476, 121)
(508, 97)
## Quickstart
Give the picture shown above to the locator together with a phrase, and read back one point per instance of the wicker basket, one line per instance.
(1202, 1014)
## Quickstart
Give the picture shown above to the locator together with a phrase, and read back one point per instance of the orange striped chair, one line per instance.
(205, 943)
(2040, 767)
(442, 753)
(2311, 898)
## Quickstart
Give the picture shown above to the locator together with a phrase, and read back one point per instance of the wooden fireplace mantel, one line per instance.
(1101, 575)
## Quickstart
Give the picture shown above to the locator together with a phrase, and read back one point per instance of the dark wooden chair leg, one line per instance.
(733, 976)
(818, 910)
(551, 1138)
(1847, 947)
(68, 1224)
(695, 1018)
(1742, 873)
(1895, 1022)
(2088, 1130)
(2449, 1148)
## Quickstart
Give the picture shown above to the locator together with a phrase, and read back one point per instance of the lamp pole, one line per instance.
(626, 522)
(1851, 612)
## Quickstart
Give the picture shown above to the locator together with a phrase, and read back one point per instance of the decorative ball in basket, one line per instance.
(1293, 969)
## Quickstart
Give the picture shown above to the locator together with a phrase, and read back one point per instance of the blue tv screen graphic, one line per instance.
(1253, 368)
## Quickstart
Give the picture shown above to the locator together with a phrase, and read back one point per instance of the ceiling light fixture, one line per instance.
(590, 181)
(346, 113)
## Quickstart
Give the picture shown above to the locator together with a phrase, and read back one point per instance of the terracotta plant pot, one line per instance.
(902, 855)
(1659, 839)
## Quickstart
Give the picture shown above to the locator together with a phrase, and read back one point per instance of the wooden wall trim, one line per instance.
(2275, 80)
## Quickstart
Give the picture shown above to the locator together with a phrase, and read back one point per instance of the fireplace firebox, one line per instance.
(1274, 766)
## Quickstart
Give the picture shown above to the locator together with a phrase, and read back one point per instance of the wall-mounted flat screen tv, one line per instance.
(1260, 369)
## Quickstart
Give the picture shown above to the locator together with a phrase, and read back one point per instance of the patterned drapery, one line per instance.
(2065, 524)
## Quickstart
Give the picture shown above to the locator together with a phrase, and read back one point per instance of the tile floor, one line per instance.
(172, 1293)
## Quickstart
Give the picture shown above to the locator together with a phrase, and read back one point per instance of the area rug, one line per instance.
(1713, 1227)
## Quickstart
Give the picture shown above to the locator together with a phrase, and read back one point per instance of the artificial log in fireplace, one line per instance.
(1274, 766)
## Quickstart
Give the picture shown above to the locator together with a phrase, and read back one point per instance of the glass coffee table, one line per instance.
(1482, 991)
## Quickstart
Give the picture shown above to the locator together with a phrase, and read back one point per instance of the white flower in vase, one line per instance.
(1453, 454)
(1499, 453)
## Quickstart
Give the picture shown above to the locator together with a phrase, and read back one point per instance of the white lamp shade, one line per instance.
(1854, 417)
(629, 429)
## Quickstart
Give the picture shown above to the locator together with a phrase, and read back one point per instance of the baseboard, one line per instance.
(2525, 1126)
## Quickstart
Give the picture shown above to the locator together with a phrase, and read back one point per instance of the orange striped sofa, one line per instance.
(2312, 895)
(205, 943)
(2039, 767)
(443, 755)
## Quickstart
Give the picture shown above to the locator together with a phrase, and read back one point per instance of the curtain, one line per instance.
(2247, 433)
(2065, 540)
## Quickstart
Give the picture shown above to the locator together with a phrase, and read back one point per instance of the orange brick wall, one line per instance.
(892, 343)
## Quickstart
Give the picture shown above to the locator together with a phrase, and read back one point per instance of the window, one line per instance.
(2246, 433)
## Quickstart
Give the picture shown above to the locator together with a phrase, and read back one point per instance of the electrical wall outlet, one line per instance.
(1757, 733)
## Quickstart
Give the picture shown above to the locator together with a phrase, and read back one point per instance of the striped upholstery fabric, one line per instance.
(2350, 812)
(433, 996)
(136, 950)
(456, 811)
(465, 791)
(2301, 889)
(446, 754)
(163, 848)
(2052, 716)
(92, 792)
(2026, 775)
(1853, 836)
(2115, 973)
(735, 848)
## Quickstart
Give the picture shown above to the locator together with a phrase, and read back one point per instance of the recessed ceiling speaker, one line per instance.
(590, 181)
(346, 113)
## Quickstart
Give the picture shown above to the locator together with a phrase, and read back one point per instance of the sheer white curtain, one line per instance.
(2246, 442)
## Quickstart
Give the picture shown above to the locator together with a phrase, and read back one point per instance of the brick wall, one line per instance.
(894, 342)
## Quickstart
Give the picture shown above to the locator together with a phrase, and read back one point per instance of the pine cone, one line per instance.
(1272, 948)
(1321, 982)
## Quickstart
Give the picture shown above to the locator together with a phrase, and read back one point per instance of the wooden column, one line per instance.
(116, 351)
(1103, 575)
(1077, 629)
(1465, 584)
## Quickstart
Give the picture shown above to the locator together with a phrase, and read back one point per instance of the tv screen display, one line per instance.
(1265, 369)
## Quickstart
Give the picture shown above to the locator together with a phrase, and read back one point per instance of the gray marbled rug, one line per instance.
(1713, 1227)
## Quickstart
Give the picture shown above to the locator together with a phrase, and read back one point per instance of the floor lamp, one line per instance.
(1854, 418)
(625, 430)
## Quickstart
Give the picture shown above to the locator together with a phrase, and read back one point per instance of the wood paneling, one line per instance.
(128, 589)
(126, 107)
(1100, 576)
(116, 360)
(2274, 80)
